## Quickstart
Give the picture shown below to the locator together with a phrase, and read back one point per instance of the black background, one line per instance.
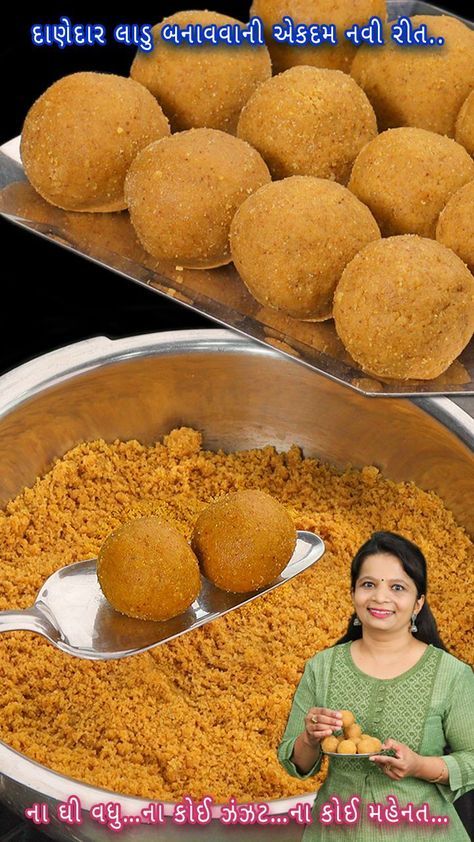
(50, 297)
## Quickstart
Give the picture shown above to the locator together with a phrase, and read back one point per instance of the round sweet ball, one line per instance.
(285, 262)
(342, 13)
(243, 541)
(353, 732)
(406, 176)
(330, 744)
(308, 121)
(404, 308)
(423, 87)
(80, 137)
(201, 85)
(347, 747)
(348, 718)
(464, 132)
(147, 570)
(183, 191)
(455, 227)
(370, 745)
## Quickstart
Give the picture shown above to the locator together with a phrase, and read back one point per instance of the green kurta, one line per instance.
(429, 706)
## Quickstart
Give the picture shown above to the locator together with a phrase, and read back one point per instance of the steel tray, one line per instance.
(219, 294)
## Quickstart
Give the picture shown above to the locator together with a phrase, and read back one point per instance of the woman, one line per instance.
(392, 671)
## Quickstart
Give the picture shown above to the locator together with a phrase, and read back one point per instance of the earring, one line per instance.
(413, 627)
(356, 621)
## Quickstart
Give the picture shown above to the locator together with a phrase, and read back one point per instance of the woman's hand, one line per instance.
(406, 764)
(320, 723)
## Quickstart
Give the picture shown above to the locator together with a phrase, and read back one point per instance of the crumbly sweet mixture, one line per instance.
(203, 714)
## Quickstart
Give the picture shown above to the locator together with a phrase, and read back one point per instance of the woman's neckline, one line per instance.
(402, 675)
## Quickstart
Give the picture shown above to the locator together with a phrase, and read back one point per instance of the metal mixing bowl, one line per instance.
(240, 395)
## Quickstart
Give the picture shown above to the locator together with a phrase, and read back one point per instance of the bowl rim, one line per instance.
(47, 370)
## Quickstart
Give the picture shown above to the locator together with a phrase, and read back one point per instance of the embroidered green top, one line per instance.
(429, 706)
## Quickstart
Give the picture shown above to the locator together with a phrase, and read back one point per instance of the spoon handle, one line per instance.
(27, 620)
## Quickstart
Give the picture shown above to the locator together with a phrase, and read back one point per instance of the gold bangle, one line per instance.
(441, 775)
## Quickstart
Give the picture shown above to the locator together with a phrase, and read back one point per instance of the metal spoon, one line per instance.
(73, 614)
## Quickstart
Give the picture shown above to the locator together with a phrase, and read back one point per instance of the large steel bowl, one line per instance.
(240, 395)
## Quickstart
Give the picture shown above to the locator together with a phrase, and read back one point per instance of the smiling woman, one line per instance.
(389, 584)
(393, 672)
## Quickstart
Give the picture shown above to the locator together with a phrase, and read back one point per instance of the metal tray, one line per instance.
(219, 294)
(385, 752)
(350, 756)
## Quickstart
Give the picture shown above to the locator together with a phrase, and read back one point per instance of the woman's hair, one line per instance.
(414, 565)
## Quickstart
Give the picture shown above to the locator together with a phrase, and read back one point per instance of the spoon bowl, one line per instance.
(73, 614)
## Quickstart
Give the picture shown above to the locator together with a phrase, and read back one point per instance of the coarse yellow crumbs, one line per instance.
(203, 714)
